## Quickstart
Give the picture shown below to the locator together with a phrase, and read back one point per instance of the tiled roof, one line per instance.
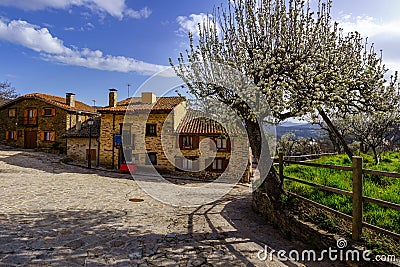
(193, 123)
(84, 131)
(135, 104)
(56, 101)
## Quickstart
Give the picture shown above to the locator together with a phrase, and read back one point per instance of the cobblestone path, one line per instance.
(53, 214)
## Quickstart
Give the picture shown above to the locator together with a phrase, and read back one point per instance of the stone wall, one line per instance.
(54, 123)
(76, 149)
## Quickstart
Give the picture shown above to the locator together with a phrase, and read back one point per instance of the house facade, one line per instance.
(207, 148)
(130, 130)
(159, 132)
(38, 121)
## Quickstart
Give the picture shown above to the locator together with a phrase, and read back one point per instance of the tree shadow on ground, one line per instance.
(109, 238)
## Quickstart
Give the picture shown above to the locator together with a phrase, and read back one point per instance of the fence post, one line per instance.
(281, 163)
(357, 197)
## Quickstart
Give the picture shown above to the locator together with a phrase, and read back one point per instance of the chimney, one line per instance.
(112, 98)
(148, 98)
(70, 99)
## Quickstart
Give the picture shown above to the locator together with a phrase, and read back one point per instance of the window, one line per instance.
(187, 164)
(30, 116)
(151, 129)
(11, 135)
(12, 112)
(48, 136)
(221, 143)
(151, 159)
(218, 164)
(187, 142)
(48, 112)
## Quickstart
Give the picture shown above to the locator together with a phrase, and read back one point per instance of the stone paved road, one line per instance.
(52, 214)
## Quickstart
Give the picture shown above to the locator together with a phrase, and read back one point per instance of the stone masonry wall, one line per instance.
(54, 123)
(76, 148)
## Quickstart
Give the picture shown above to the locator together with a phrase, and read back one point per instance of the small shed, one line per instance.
(78, 141)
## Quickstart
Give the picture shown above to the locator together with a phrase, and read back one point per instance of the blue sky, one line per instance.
(89, 46)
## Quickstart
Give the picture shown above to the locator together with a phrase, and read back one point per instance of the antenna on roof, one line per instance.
(129, 85)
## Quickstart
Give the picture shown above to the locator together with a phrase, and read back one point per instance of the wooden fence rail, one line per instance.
(356, 194)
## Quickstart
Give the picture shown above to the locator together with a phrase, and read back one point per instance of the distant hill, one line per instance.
(305, 130)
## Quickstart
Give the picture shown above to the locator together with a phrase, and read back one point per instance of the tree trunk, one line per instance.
(336, 132)
(273, 185)
(376, 155)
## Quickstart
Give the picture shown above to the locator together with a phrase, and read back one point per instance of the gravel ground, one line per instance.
(52, 214)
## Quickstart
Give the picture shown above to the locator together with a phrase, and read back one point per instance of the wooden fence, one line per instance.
(356, 194)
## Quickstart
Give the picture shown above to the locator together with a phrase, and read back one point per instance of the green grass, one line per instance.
(384, 188)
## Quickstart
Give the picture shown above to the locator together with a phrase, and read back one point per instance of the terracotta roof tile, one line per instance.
(57, 101)
(84, 131)
(193, 123)
(134, 104)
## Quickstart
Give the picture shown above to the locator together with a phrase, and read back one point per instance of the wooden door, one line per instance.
(30, 139)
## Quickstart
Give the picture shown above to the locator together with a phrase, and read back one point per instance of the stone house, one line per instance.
(218, 145)
(39, 120)
(160, 132)
(137, 123)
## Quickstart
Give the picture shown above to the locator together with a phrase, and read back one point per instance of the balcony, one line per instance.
(26, 121)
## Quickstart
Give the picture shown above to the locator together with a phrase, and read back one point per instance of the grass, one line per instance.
(384, 188)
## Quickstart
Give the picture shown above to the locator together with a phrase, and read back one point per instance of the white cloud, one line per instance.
(69, 29)
(191, 23)
(32, 36)
(143, 13)
(115, 8)
(52, 49)
(369, 26)
(384, 34)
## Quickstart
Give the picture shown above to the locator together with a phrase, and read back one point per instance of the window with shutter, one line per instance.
(221, 143)
(48, 136)
(186, 142)
(30, 116)
(48, 112)
(218, 164)
(187, 164)
(151, 129)
(12, 112)
(11, 135)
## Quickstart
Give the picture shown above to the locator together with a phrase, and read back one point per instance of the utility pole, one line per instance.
(129, 85)
(94, 103)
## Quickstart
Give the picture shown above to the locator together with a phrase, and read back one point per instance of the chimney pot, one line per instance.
(70, 99)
